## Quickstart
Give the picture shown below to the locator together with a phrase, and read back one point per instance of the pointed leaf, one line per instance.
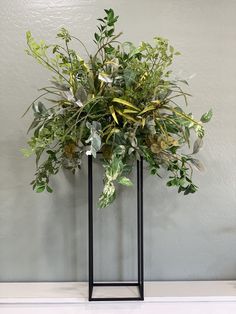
(198, 164)
(40, 188)
(125, 103)
(148, 108)
(112, 110)
(49, 189)
(206, 117)
(104, 77)
(33, 125)
(197, 145)
(130, 111)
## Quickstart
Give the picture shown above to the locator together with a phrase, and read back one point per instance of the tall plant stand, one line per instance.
(140, 275)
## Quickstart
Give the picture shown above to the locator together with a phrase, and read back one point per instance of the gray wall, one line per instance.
(44, 237)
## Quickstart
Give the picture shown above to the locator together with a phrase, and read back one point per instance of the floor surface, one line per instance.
(197, 297)
(127, 308)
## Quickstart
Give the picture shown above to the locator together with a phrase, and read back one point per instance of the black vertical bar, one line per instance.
(141, 231)
(138, 219)
(90, 223)
(140, 225)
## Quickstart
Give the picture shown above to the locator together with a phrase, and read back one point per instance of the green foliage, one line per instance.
(122, 101)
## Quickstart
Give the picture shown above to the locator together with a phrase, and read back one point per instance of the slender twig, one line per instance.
(33, 103)
(48, 64)
(81, 44)
(107, 43)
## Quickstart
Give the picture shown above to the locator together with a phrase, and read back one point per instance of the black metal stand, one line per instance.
(140, 282)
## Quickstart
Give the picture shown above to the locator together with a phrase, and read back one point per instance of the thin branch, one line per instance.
(33, 103)
(107, 43)
(49, 65)
(81, 44)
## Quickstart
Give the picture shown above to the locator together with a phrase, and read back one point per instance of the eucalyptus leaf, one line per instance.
(39, 108)
(81, 94)
(94, 138)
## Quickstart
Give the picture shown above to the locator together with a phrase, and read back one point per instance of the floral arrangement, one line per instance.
(122, 101)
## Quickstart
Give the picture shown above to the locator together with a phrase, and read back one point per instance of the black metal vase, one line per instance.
(140, 267)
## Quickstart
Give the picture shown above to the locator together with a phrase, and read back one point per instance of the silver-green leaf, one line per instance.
(198, 164)
(197, 145)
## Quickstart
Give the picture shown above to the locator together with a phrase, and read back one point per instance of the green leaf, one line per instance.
(97, 37)
(171, 49)
(206, 117)
(40, 188)
(28, 36)
(148, 108)
(125, 181)
(125, 103)
(64, 34)
(112, 110)
(110, 32)
(129, 77)
(50, 190)
(190, 189)
(27, 152)
(197, 145)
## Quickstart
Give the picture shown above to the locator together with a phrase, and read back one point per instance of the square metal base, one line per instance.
(117, 284)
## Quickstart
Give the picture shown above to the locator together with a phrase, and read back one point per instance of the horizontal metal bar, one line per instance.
(114, 284)
(117, 299)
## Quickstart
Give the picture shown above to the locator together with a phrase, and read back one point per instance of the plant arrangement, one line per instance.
(122, 102)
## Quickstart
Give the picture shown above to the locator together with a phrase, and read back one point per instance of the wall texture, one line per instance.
(44, 237)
